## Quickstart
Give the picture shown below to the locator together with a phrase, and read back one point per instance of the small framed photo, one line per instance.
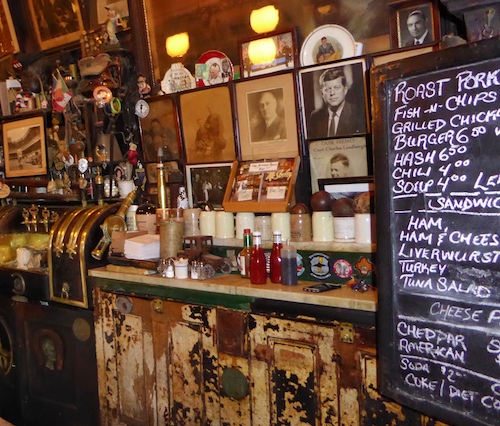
(152, 171)
(263, 55)
(160, 129)
(360, 190)
(206, 183)
(267, 119)
(338, 158)
(24, 147)
(334, 100)
(56, 23)
(413, 23)
(207, 125)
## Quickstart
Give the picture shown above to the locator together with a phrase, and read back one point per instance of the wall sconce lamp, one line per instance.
(177, 45)
(262, 51)
(265, 19)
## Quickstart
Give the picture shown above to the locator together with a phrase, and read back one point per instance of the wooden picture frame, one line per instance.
(8, 36)
(338, 158)
(422, 16)
(207, 125)
(324, 88)
(24, 147)
(206, 183)
(278, 96)
(262, 186)
(394, 55)
(347, 187)
(56, 25)
(285, 53)
(160, 128)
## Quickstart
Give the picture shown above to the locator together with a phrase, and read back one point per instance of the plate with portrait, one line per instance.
(213, 67)
(327, 43)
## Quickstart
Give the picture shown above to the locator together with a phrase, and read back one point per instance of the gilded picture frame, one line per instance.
(267, 117)
(8, 36)
(208, 125)
(55, 25)
(285, 53)
(160, 128)
(24, 147)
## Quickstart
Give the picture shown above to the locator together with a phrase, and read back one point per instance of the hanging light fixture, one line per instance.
(262, 51)
(177, 45)
(265, 19)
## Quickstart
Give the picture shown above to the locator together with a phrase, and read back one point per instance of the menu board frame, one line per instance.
(449, 401)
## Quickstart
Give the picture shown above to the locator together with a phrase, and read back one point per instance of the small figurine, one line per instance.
(182, 199)
(114, 20)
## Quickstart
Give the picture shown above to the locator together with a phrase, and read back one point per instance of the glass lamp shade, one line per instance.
(177, 45)
(262, 51)
(264, 19)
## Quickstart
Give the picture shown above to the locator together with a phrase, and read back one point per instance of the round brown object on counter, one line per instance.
(321, 201)
(300, 208)
(363, 202)
(343, 207)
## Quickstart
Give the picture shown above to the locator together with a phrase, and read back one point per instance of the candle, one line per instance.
(224, 225)
(281, 222)
(322, 226)
(244, 220)
(207, 222)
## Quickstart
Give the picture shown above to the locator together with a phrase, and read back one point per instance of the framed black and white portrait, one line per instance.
(267, 118)
(413, 23)
(338, 158)
(334, 101)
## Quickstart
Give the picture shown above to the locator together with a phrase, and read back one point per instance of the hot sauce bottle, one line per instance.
(276, 258)
(257, 261)
(244, 255)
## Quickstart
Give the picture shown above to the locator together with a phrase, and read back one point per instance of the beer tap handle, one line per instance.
(45, 218)
(26, 217)
(34, 217)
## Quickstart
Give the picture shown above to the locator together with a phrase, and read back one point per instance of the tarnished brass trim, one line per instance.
(346, 332)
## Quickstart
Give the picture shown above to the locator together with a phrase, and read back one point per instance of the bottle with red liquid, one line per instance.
(257, 261)
(275, 272)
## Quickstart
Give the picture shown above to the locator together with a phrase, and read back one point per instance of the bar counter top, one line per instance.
(233, 284)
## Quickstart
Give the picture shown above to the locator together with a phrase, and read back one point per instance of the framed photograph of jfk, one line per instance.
(413, 23)
(334, 101)
(24, 147)
(267, 118)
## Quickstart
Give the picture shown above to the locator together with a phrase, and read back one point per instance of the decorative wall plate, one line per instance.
(213, 67)
(177, 79)
(339, 44)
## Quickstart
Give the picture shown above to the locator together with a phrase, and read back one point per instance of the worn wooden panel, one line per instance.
(126, 371)
(186, 364)
(106, 355)
(235, 412)
(378, 410)
(234, 369)
(293, 373)
(349, 406)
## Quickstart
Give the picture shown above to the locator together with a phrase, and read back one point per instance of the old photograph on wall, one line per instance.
(338, 158)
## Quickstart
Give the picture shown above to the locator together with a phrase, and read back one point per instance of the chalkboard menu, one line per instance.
(437, 175)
